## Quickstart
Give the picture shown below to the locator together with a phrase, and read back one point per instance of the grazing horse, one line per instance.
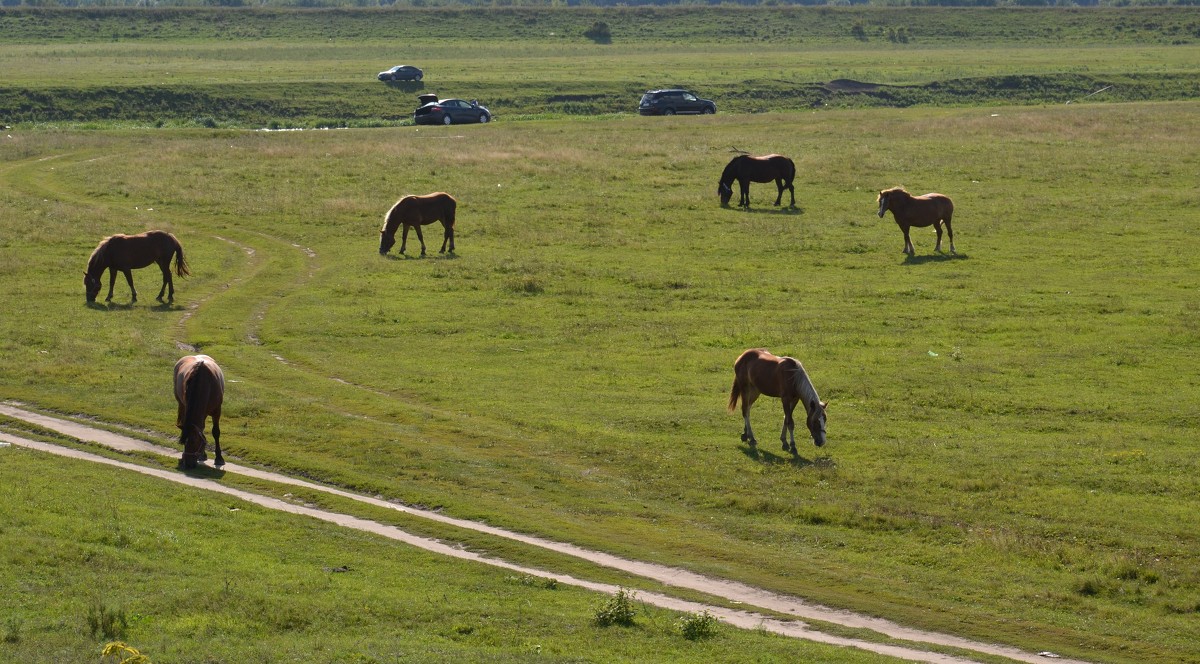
(415, 212)
(746, 169)
(122, 253)
(757, 372)
(919, 211)
(199, 389)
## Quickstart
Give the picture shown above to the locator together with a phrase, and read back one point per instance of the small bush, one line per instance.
(696, 626)
(618, 610)
(106, 622)
(599, 33)
(123, 654)
(12, 630)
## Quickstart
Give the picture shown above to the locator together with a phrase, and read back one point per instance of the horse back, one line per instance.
(199, 372)
(768, 373)
(132, 252)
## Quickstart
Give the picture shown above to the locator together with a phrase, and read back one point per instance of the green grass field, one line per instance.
(1012, 452)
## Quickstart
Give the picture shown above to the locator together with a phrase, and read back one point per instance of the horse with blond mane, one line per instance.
(756, 372)
(122, 253)
(920, 211)
(415, 212)
(199, 390)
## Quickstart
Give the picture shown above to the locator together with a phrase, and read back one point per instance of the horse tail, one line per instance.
(451, 206)
(734, 394)
(791, 170)
(193, 396)
(181, 267)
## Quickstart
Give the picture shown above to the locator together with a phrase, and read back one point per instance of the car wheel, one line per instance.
(446, 120)
(709, 110)
(484, 118)
(668, 111)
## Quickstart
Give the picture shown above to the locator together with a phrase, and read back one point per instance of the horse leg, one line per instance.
(112, 281)
(792, 191)
(749, 395)
(950, 232)
(937, 226)
(789, 425)
(447, 238)
(908, 245)
(744, 201)
(421, 238)
(129, 278)
(166, 270)
(404, 239)
(216, 418)
(779, 186)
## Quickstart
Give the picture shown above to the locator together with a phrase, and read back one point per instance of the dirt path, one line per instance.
(730, 590)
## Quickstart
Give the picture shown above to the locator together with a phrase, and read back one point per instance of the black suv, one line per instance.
(670, 102)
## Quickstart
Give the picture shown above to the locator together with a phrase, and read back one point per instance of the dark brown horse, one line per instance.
(415, 212)
(122, 253)
(199, 389)
(746, 169)
(757, 372)
(919, 211)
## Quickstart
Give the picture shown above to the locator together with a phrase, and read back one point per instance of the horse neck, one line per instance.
(98, 261)
(730, 172)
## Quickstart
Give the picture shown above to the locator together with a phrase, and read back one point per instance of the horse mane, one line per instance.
(804, 387)
(98, 260)
(390, 225)
(727, 174)
(893, 190)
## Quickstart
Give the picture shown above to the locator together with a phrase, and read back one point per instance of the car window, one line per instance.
(689, 96)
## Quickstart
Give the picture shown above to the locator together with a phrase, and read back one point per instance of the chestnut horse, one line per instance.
(757, 372)
(415, 212)
(199, 389)
(746, 169)
(122, 253)
(919, 211)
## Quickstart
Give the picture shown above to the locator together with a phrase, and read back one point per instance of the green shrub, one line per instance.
(696, 626)
(618, 610)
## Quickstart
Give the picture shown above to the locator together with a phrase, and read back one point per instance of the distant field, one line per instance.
(316, 68)
(1013, 450)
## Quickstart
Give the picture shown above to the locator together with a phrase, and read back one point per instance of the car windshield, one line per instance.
(646, 99)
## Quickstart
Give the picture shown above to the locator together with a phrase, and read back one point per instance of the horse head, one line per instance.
(883, 201)
(194, 442)
(725, 192)
(386, 242)
(91, 286)
(816, 421)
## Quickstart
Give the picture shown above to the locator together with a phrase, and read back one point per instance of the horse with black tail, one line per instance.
(756, 372)
(746, 169)
(199, 390)
(415, 212)
(122, 253)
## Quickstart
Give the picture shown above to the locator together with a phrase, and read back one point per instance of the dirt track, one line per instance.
(730, 590)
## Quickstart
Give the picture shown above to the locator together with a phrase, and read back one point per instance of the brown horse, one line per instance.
(746, 169)
(415, 212)
(757, 372)
(199, 389)
(919, 211)
(122, 253)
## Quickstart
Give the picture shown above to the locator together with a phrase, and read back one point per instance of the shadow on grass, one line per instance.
(167, 306)
(797, 461)
(109, 306)
(934, 258)
(772, 209)
(448, 256)
(203, 471)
